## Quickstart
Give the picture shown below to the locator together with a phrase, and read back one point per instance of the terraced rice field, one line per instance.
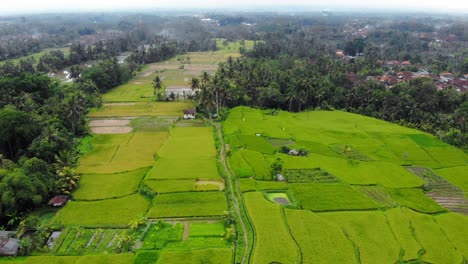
(375, 192)
(142, 163)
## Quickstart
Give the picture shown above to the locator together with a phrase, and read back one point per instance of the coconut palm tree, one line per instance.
(157, 85)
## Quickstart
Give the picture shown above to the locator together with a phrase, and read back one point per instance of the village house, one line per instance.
(189, 113)
(446, 77)
(405, 63)
(58, 200)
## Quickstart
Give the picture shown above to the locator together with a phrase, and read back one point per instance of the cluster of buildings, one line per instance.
(397, 73)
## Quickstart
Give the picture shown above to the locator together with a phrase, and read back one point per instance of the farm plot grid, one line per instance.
(141, 164)
(373, 191)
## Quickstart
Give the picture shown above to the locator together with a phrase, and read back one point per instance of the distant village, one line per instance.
(398, 72)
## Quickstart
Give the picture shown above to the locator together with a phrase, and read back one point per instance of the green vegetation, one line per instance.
(189, 204)
(379, 194)
(38, 55)
(432, 238)
(104, 186)
(156, 109)
(403, 229)
(184, 168)
(273, 242)
(169, 186)
(160, 234)
(118, 212)
(456, 175)
(317, 236)
(318, 197)
(309, 175)
(80, 241)
(146, 257)
(370, 233)
(210, 256)
(415, 199)
(201, 229)
(121, 152)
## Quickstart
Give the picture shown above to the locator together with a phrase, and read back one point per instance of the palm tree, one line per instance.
(157, 85)
(65, 158)
(195, 83)
(68, 179)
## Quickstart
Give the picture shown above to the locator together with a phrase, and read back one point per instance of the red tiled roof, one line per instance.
(58, 200)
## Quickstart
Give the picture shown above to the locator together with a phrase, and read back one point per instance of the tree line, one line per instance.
(295, 72)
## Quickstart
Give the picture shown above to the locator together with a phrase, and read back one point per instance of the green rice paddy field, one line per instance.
(362, 194)
(358, 197)
(160, 171)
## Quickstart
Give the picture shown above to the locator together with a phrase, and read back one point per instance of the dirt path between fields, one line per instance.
(186, 231)
(234, 195)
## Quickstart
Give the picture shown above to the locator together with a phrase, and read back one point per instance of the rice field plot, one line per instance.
(402, 228)
(152, 124)
(456, 175)
(256, 143)
(439, 249)
(442, 191)
(79, 241)
(110, 126)
(248, 185)
(309, 175)
(146, 257)
(241, 168)
(206, 229)
(405, 149)
(370, 234)
(160, 234)
(445, 154)
(330, 197)
(370, 173)
(317, 236)
(349, 152)
(105, 186)
(170, 186)
(432, 181)
(273, 243)
(139, 109)
(455, 227)
(415, 199)
(121, 152)
(196, 243)
(189, 204)
(189, 143)
(133, 91)
(378, 194)
(113, 212)
(316, 147)
(258, 164)
(213, 256)
(184, 168)
(90, 259)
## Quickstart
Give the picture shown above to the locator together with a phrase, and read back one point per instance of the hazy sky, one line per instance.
(19, 6)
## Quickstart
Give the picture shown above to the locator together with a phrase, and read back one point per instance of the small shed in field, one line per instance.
(189, 113)
(58, 200)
